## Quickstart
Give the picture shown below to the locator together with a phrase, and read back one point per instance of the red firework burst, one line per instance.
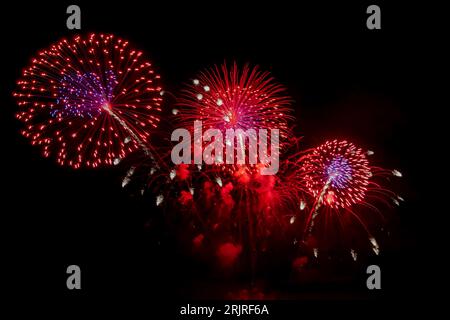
(232, 98)
(236, 99)
(89, 101)
(339, 177)
(338, 172)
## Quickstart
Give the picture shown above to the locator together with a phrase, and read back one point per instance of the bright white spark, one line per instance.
(125, 181)
(131, 171)
(396, 173)
(127, 178)
(302, 205)
(159, 199)
(354, 254)
(395, 201)
(375, 246)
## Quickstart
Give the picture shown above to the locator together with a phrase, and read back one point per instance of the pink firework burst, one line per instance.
(89, 101)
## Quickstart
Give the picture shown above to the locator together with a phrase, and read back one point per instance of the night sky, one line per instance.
(346, 81)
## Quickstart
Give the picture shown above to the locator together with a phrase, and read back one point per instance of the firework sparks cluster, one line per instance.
(93, 100)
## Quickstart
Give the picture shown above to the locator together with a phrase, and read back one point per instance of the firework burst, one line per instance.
(89, 101)
(244, 99)
(343, 184)
(229, 98)
(338, 173)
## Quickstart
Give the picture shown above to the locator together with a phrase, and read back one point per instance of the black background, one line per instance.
(347, 81)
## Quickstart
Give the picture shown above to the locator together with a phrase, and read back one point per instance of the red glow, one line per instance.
(300, 262)
(185, 197)
(228, 253)
(183, 171)
(226, 196)
(198, 240)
